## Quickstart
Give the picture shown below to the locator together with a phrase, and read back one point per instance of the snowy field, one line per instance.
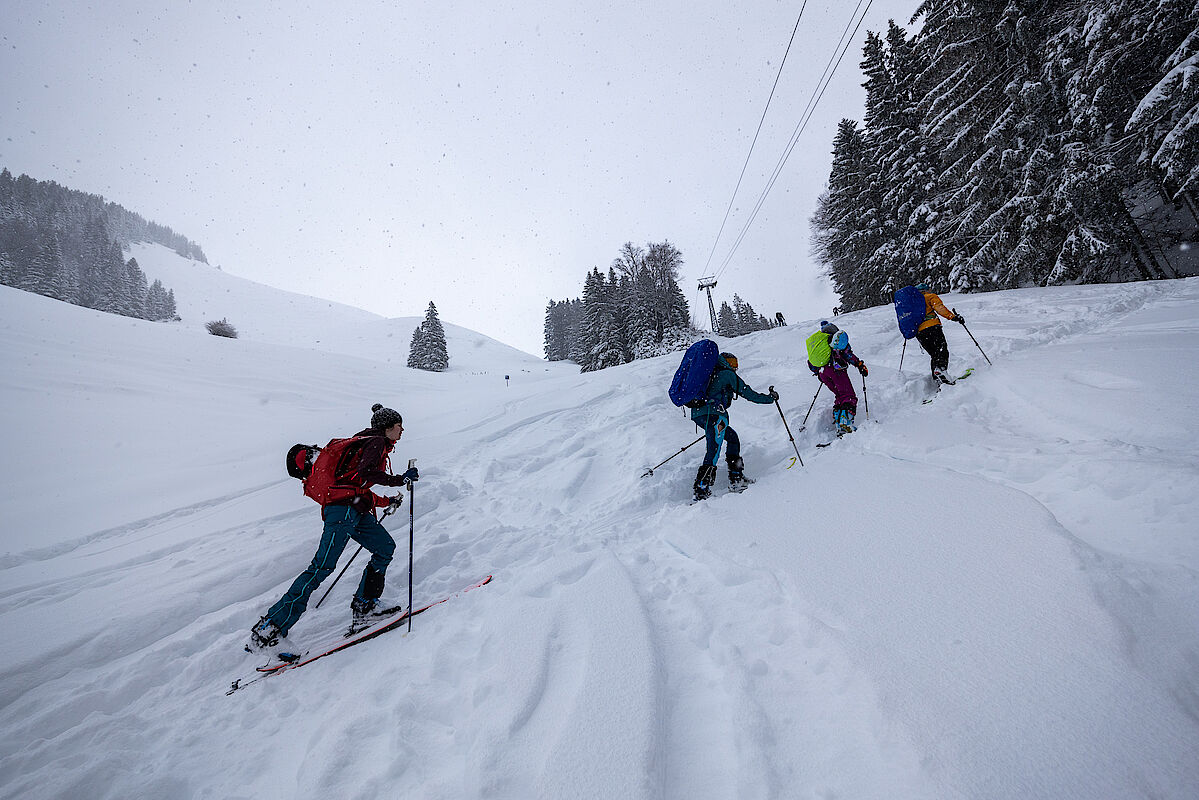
(992, 595)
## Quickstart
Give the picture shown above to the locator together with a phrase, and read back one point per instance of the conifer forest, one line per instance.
(67, 244)
(1018, 143)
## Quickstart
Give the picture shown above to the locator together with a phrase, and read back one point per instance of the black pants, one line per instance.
(932, 339)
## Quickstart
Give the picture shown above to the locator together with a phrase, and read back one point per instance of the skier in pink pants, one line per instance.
(835, 375)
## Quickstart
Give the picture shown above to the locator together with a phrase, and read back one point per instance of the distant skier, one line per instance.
(713, 417)
(363, 464)
(930, 335)
(834, 373)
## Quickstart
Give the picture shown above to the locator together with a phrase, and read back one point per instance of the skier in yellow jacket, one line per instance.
(930, 335)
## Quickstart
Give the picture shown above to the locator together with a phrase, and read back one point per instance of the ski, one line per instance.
(290, 661)
(964, 375)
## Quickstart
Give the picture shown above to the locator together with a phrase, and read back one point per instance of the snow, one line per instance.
(992, 595)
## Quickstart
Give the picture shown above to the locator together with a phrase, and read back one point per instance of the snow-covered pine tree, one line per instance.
(964, 46)
(603, 335)
(557, 330)
(427, 349)
(846, 228)
(744, 312)
(136, 289)
(726, 321)
(618, 292)
(590, 315)
(658, 316)
(907, 168)
(1166, 119)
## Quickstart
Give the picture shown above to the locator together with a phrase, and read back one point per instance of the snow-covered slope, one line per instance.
(266, 314)
(992, 595)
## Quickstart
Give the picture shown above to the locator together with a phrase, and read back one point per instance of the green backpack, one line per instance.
(819, 352)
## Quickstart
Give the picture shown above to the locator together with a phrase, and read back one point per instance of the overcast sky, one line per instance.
(481, 155)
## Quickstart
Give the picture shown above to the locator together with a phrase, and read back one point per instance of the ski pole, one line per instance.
(902, 353)
(804, 424)
(788, 427)
(348, 563)
(971, 335)
(411, 539)
(865, 397)
(650, 471)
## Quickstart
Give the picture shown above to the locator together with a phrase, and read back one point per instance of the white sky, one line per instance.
(482, 155)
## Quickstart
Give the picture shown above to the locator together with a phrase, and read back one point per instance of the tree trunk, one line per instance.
(1141, 252)
(1188, 200)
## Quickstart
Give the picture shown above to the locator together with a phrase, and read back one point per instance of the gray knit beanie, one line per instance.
(383, 418)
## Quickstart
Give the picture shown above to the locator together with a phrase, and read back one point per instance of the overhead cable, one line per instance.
(826, 77)
(755, 141)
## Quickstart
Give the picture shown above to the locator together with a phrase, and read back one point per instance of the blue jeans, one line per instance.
(717, 432)
(342, 523)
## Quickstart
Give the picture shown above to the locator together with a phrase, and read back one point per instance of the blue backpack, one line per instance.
(910, 308)
(690, 385)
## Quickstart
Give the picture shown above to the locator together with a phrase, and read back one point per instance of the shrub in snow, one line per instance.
(221, 327)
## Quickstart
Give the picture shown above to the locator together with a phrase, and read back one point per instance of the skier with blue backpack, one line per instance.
(829, 359)
(713, 417)
(917, 309)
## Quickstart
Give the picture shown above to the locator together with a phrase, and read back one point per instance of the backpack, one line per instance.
(819, 352)
(910, 308)
(328, 472)
(690, 385)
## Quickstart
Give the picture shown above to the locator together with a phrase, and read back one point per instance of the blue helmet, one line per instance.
(923, 287)
(840, 340)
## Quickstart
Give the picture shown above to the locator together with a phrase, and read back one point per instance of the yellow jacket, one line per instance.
(932, 307)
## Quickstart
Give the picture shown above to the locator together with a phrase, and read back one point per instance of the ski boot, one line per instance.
(737, 480)
(704, 479)
(263, 635)
(363, 609)
(843, 419)
(943, 376)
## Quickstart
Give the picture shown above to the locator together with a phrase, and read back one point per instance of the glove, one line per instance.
(960, 319)
(862, 369)
(774, 395)
(411, 475)
(395, 502)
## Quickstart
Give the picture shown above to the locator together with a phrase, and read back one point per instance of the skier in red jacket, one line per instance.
(364, 464)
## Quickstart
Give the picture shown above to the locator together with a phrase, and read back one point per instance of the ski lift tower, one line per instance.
(706, 284)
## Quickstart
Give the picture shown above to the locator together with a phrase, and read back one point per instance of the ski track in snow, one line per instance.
(948, 603)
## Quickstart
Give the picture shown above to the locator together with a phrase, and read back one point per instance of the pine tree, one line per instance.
(1166, 118)
(846, 230)
(726, 321)
(603, 341)
(557, 331)
(427, 349)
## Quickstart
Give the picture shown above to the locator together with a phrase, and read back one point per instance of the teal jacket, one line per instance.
(722, 387)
